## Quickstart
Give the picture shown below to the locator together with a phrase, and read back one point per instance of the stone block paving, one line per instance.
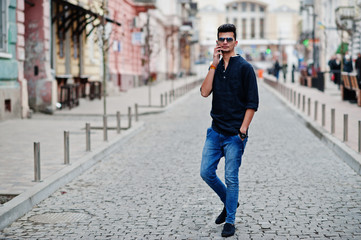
(18, 135)
(332, 99)
(291, 185)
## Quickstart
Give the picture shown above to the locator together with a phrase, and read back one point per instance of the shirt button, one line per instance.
(224, 77)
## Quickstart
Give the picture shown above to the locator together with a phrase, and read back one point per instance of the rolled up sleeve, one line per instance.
(252, 90)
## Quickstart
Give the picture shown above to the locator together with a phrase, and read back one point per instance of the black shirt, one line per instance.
(234, 91)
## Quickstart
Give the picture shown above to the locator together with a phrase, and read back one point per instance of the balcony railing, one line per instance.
(345, 17)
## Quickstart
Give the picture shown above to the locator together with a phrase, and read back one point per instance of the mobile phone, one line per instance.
(219, 51)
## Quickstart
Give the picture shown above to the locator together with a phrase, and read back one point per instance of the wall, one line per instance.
(125, 64)
(37, 57)
(20, 52)
(10, 99)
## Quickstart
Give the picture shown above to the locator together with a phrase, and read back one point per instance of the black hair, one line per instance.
(227, 28)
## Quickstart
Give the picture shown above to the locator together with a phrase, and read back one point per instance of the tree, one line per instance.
(150, 51)
(103, 39)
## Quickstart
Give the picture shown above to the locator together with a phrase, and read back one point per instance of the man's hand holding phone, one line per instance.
(217, 55)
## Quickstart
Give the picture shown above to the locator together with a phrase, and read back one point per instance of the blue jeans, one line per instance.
(232, 148)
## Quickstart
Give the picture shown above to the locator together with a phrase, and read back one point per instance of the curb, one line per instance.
(23, 203)
(348, 155)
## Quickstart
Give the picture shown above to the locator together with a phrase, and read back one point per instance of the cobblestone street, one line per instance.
(291, 185)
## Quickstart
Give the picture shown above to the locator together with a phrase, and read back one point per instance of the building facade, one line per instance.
(329, 27)
(126, 58)
(13, 86)
(47, 43)
(250, 19)
(265, 29)
(37, 69)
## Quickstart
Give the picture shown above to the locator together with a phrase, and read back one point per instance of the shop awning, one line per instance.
(67, 14)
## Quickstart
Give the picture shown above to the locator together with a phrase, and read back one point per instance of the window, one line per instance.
(253, 28)
(3, 26)
(253, 7)
(244, 22)
(235, 21)
(244, 7)
(235, 6)
(261, 9)
(261, 27)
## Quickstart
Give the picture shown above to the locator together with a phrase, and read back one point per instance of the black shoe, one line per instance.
(228, 230)
(222, 217)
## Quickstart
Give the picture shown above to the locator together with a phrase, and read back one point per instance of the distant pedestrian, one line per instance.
(358, 67)
(284, 70)
(335, 68)
(331, 65)
(284, 65)
(293, 72)
(347, 64)
(233, 83)
(276, 69)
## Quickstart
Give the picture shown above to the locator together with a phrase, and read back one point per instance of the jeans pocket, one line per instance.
(243, 141)
(209, 130)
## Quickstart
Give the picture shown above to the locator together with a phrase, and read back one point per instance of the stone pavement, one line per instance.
(292, 186)
(331, 97)
(302, 101)
(18, 137)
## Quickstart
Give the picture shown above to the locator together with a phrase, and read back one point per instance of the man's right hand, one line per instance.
(216, 55)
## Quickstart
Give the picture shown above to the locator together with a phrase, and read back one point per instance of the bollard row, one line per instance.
(295, 99)
(172, 95)
(167, 97)
(37, 168)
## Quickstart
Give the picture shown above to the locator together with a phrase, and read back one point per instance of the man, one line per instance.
(276, 69)
(235, 99)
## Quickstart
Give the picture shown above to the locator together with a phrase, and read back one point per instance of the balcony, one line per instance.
(345, 17)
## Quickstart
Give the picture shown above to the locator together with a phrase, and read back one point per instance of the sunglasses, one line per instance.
(229, 39)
